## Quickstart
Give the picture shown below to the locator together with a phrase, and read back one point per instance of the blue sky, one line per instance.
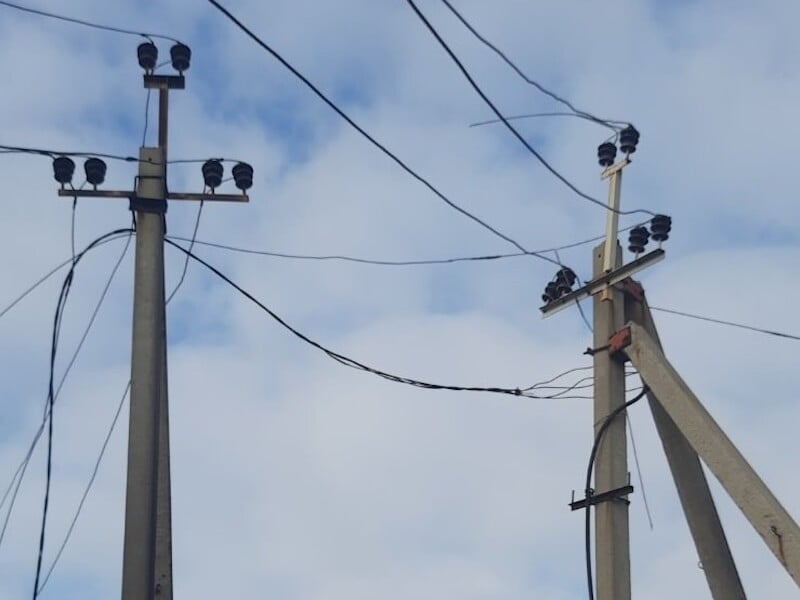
(294, 477)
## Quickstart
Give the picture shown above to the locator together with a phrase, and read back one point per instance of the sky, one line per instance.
(295, 477)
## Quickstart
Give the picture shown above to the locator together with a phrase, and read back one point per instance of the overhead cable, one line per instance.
(85, 23)
(87, 489)
(611, 124)
(340, 358)
(780, 334)
(364, 133)
(510, 127)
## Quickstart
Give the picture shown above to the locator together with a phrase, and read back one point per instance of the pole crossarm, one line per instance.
(765, 513)
(170, 195)
(603, 281)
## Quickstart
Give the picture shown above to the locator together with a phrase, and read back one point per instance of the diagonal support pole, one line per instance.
(765, 513)
(690, 481)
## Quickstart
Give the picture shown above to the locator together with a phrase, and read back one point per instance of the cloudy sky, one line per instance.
(295, 477)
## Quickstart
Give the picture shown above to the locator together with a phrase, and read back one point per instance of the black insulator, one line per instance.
(563, 287)
(95, 170)
(660, 226)
(212, 173)
(63, 169)
(148, 55)
(606, 153)
(181, 57)
(566, 275)
(628, 139)
(551, 292)
(243, 176)
(637, 239)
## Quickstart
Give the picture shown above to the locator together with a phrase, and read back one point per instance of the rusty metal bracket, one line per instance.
(618, 494)
(620, 340)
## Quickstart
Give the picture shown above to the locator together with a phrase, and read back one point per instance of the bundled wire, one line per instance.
(51, 397)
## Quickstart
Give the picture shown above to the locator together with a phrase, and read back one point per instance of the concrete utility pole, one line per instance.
(612, 547)
(611, 477)
(688, 432)
(147, 553)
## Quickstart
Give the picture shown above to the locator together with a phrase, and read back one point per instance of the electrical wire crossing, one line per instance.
(402, 164)
(509, 126)
(574, 112)
(51, 396)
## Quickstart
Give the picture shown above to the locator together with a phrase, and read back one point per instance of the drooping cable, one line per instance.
(588, 487)
(87, 489)
(510, 127)
(51, 391)
(340, 358)
(16, 480)
(191, 246)
(611, 124)
(86, 23)
(52, 396)
(47, 276)
(672, 311)
(367, 135)
(387, 263)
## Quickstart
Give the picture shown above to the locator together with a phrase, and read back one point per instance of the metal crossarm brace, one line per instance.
(765, 513)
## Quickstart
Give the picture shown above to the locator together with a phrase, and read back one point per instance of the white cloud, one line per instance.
(295, 477)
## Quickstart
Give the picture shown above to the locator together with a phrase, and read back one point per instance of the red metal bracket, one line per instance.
(621, 339)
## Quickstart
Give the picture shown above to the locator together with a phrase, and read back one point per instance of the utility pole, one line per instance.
(688, 432)
(612, 545)
(147, 552)
(611, 481)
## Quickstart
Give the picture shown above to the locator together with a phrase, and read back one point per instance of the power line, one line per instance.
(88, 487)
(85, 23)
(728, 323)
(65, 289)
(48, 275)
(53, 394)
(53, 153)
(191, 246)
(389, 263)
(364, 133)
(340, 358)
(339, 257)
(534, 116)
(575, 112)
(510, 127)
